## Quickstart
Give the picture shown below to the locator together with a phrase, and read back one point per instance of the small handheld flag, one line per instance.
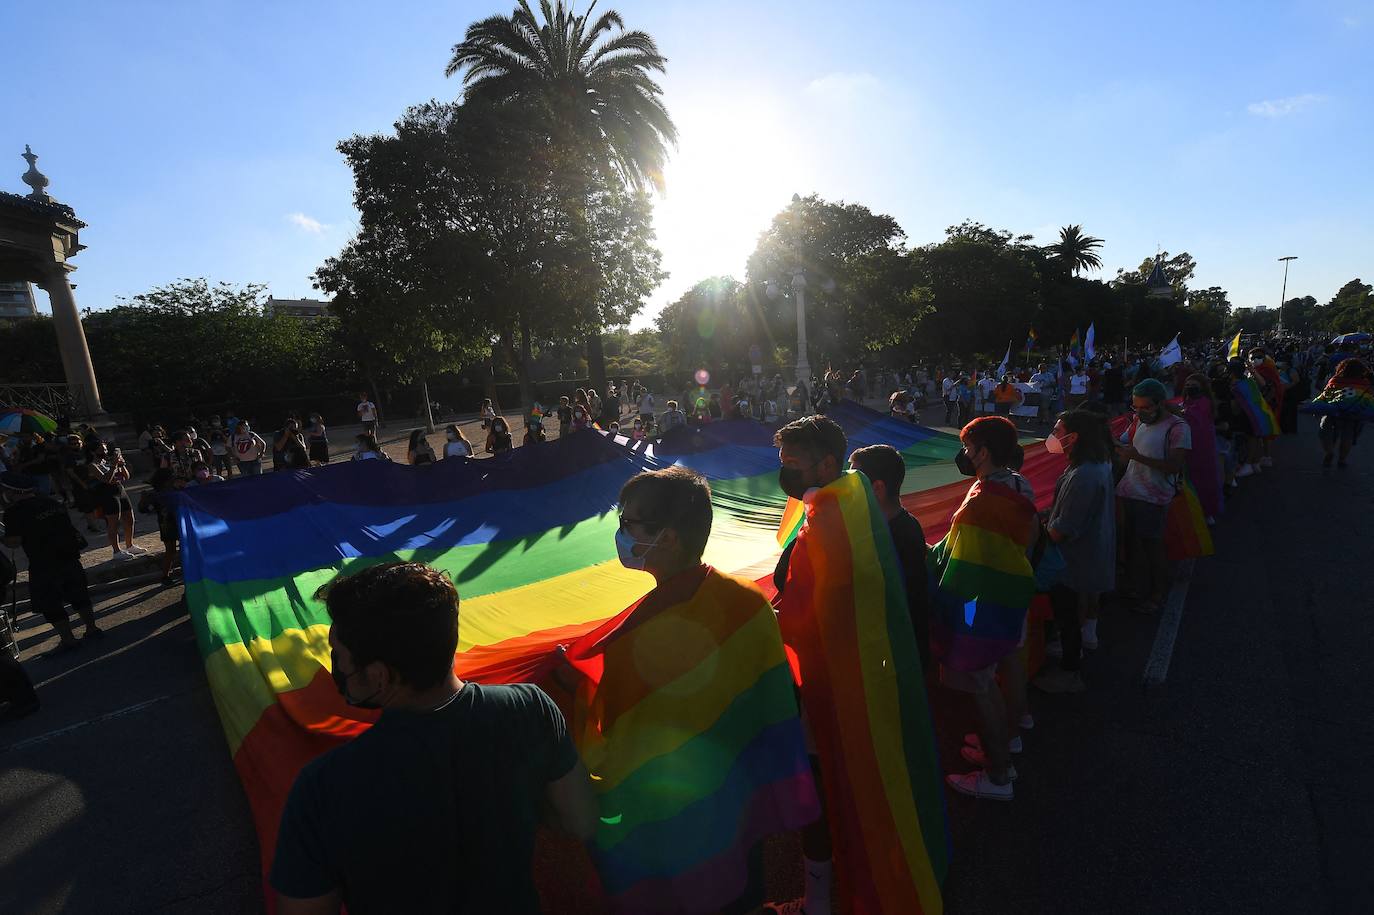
(1171, 353)
(1233, 351)
(1002, 369)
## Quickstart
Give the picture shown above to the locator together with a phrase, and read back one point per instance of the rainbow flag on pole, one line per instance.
(688, 724)
(1075, 344)
(844, 614)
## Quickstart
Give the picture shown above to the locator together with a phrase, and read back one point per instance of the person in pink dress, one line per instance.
(1204, 468)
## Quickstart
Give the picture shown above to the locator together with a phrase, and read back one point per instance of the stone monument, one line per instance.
(38, 238)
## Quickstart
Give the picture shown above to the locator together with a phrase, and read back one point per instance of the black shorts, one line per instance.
(112, 506)
(319, 451)
(167, 528)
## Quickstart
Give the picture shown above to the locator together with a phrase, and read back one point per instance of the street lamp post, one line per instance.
(1283, 295)
(799, 294)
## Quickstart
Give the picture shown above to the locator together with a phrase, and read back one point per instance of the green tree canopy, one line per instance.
(583, 86)
(1351, 309)
(469, 242)
(861, 289)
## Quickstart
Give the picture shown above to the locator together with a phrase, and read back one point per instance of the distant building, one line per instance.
(16, 301)
(305, 309)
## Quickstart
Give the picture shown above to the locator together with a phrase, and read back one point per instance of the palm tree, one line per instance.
(1076, 251)
(590, 79)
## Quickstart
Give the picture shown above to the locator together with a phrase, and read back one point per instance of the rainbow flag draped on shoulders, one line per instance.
(844, 613)
(1351, 400)
(981, 580)
(687, 721)
(1252, 403)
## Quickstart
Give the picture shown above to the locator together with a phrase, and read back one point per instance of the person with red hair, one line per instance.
(984, 585)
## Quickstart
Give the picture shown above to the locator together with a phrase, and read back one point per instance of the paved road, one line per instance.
(1233, 787)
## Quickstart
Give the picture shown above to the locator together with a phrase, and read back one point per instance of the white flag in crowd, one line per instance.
(1171, 353)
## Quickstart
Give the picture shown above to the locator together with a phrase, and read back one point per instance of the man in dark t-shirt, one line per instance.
(886, 470)
(434, 808)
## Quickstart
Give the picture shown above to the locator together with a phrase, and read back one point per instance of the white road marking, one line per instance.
(1157, 667)
(60, 732)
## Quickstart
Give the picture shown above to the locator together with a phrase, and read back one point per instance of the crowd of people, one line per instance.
(1136, 434)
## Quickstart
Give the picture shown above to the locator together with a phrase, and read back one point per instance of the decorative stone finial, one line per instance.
(34, 178)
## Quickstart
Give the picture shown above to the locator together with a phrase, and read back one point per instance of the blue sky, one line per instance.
(197, 138)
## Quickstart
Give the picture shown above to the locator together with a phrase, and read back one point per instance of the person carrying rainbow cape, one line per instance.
(844, 614)
(686, 717)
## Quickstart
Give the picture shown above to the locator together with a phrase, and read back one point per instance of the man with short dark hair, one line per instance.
(811, 453)
(434, 808)
(885, 469)
(53, 545)
(696, 670)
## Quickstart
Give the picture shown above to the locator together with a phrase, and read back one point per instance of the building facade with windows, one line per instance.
(16, 301)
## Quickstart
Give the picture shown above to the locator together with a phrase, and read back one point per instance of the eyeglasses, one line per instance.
(647, 525)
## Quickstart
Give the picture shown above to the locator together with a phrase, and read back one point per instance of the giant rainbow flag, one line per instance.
(527, 537)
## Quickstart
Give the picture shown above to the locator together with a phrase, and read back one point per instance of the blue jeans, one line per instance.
(251, 468)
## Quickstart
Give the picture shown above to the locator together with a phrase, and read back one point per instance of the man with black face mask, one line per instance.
(812, 452)
(433, 808)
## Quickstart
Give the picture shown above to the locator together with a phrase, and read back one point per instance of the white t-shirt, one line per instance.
(1043, 380)
(945, 387)
(646, 403)
(248, 446)
(367, 411)
(1078, 383)
(1153, 440)
(367, 456)
(457, 449)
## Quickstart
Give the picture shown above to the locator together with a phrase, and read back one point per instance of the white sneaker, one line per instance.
(1027, 722)
(981, 761)
(974, 741)
(1246, 470)
(1054, 648)
(978, 784)
(1266, 462)
(121, 556)
(1089, 644)
(136, 550)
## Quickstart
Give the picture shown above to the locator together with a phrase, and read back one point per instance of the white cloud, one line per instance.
(843, 87)
(1282, 107)
(306, 223)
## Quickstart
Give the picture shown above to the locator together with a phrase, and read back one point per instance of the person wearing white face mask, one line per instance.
(1082, 523)
(695, 649)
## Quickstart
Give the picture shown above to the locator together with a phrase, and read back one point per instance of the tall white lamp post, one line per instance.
(1284, 294)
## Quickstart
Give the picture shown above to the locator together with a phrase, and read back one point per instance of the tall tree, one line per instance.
(1075, 251)
(861, 290)
(1210, 311)
(985, 286)
(589, 82)
(1350, 309)
(468, 243)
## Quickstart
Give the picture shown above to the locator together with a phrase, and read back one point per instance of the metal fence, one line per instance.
(55, 400)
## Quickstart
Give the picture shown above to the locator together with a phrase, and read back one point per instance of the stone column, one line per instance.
(71, 340)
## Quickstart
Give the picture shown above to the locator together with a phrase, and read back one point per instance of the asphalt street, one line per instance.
(1232, 786)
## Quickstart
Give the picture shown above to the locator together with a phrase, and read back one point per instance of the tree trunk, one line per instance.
(429, 412)
(520, 361)
(596, 363)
